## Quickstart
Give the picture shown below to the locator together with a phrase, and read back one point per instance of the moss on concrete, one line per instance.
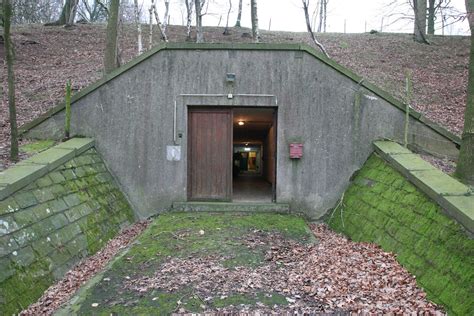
(177, 235)
(48, 225)
(382, 206)
(37, 146)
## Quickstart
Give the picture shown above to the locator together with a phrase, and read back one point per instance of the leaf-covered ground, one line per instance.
(46, 57)
(236, 263)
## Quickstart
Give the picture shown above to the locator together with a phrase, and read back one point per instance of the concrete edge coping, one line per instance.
(453, 196)
(28, 170)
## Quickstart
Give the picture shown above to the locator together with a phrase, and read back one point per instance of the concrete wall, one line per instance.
(61, 216)
(382, 206)
(131, 119)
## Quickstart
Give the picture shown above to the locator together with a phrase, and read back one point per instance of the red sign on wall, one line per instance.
(296, 151)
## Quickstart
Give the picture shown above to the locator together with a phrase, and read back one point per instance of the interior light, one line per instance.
(241, 123)
(247, 149)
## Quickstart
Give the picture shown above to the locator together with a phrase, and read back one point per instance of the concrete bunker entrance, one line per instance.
(232, 154)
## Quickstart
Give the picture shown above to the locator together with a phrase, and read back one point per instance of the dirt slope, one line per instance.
(46, 57)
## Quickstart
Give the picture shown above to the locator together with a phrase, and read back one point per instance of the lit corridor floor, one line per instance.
(248, 188)
(234, 263)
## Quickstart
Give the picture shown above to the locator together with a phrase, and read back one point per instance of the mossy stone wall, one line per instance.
(382, 206)
(49, 225)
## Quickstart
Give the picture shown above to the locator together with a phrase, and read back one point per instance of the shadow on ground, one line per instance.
(195, 262)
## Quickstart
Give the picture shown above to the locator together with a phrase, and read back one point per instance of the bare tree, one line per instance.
(254, 15)
(68, 13)
(166, 16)
(226, 30)
(431, 16)
(38, 11)
(92, 11)
(189, 13)
(199, 4)
(7, 14)
(139, 27)
(239, 14)
(310, 29)
(111, 43)
(158, 22)
(323, 10)
(419, 7)
(465, 165)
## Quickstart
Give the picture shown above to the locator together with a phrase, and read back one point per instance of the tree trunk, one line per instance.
(7, 14)
(465, 165)
(310, 30)
(150, 21)
(72, 13)
(239, 14)
(158, 22)
(139, 27)
(166, 17)
(68, 13)
(189, 12)
(226, 30)
(199, 34)
(321, 16)
(254, 14)
(111, 49)
(419, 7)
(431, 17)
(325, 14)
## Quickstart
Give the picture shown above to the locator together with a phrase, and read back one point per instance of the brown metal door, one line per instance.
(210, 154)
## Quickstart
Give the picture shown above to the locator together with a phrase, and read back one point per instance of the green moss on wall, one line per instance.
(382, 206)
(48, 226)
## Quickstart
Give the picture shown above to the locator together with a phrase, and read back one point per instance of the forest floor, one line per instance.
(241, 263)
(47, 57)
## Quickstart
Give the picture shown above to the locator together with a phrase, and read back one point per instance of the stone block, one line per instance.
(58, 190)
(67, 233)
(57, 205)
(72, 200)
(57, 177)
(9, 205)
(44, 181)
(77, 212)
(6, 269)
(19, 176)
(411, 162)
(43, 246)
(462, 209)
(23, 257)
(25, 199)
(80, 145)
(43, 195)
(7, 225)
(25, 236)
(7, 245)
(77, 246)
(435, 183)
(390, 147)
(52, 158)
(25, 217)
(69, 174)
(58, 221)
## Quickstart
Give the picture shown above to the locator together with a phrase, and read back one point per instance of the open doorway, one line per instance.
(254, 155)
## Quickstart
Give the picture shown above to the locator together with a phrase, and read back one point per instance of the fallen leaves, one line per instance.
(333, 275)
